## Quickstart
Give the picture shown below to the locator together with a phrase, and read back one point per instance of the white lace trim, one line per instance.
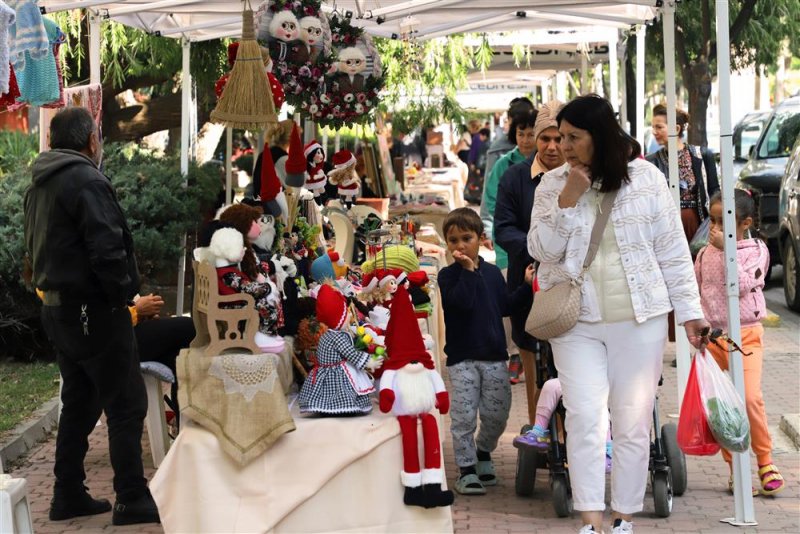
(245, 373)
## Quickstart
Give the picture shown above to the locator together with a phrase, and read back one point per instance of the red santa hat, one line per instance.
(404, 342)
(296, 162)
(335, 258)
(331, 307)
(311, 147)
(342, 159)
(270, 184)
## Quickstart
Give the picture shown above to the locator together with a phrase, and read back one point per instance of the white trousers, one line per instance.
(610, 367)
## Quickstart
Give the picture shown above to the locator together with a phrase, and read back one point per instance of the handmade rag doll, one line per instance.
(345, 177)
(315, 165)
(245, 219)
(285, 45)
(227, 246)
(349, 79)
(411, 388)
(311, 35)
(338, 383)
(262, 245)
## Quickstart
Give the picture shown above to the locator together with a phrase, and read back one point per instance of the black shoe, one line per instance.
(414, 497)
(141, 510)
(78, 504)
(674, 363)
(435, 496)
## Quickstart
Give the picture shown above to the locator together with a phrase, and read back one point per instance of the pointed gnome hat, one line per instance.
(403, 339)
(270, 184)
(331, 307)
(296, 163)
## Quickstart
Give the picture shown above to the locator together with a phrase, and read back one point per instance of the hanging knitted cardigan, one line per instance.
(7, 18)
(38, 80)
(28, 37)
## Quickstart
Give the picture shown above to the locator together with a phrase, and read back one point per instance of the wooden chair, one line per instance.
(220, 328)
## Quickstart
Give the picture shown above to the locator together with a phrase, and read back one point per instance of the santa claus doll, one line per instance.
(315, 166)
(411, 388)
(344, 176)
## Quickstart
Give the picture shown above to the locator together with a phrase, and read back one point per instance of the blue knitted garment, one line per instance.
(38, 81)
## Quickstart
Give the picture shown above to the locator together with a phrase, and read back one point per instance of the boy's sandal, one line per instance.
(486, 473)
(755, 491)
(470, 485)
(769, 473)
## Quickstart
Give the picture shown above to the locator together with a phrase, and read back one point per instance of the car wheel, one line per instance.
(791, 274)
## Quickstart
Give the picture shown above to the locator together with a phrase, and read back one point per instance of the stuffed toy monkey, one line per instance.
(411, 388)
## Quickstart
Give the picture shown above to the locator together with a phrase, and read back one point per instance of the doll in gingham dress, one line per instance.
(338, 383)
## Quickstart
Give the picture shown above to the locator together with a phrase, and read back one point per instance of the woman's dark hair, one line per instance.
(613, 148)
(463, 219)
(71, 129)
(681, 117)
(521, 121)
(744, 205)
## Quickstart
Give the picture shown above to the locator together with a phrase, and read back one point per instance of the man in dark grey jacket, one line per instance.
(82, 256)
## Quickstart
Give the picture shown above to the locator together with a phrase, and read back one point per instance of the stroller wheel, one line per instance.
(525, 477)
(662, 493)
(676, 460)
(562, 498)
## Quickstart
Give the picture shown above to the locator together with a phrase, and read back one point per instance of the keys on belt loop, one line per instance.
(84, 320)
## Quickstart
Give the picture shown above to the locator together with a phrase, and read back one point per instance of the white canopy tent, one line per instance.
(199, 20)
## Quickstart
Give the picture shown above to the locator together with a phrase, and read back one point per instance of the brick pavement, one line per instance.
(697, 511)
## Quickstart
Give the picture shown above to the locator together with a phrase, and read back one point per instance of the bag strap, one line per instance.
(603, 214)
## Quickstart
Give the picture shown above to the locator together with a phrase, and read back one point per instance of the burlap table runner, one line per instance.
(238, 397)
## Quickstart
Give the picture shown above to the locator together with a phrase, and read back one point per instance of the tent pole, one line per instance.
(94, 46)
(681, 341)
(613, 72)
(228, 165)
(337, 142)
(584, 71)
(640, 33)
(186, 102)
(561, 86)
(743, 498)
(623, 87)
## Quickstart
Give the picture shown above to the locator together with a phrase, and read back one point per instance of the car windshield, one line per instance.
(781, 134)
(746, 135)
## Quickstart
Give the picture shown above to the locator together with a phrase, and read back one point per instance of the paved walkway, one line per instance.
(697, 511)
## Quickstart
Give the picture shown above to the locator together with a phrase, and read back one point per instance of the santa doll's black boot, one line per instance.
(415, 497)
(436, 496)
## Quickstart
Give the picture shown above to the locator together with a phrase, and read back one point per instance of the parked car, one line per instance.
(745, 135)
(763, 173)
(789, 232)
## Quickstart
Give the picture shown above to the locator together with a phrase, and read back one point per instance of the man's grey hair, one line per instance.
(71, 129)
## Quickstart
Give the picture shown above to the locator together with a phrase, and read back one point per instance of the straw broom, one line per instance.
(246, 102)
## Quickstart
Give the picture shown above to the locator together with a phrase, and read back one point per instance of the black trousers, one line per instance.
(161, 340)
(100, 371)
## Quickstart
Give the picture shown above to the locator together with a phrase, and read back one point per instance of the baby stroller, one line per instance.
(667, 462)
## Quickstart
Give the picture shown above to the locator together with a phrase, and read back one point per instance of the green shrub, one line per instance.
(158, 208)
(17, 149)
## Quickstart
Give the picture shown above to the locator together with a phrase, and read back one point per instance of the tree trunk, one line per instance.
(207, 140)
(697, 79)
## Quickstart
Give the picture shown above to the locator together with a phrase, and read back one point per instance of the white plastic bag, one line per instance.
(725, 410)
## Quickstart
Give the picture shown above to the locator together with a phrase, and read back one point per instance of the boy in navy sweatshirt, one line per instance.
(475, 300)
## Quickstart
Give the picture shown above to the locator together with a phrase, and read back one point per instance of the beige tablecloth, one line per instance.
(330, 475)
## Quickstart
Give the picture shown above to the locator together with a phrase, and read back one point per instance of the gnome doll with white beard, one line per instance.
(411, 388)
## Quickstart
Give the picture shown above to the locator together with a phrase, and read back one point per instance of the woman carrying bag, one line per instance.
(609, 359)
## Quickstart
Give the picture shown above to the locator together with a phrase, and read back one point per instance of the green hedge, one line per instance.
(158, 208)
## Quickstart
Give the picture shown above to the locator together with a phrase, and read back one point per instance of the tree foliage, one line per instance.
(759, 29)
(147, 64)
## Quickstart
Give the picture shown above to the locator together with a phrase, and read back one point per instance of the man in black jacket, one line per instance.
(512, 220)
(82, 254)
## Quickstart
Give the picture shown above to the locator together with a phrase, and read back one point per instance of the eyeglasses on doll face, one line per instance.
(289, 27)
(353, 66)
(313, 33)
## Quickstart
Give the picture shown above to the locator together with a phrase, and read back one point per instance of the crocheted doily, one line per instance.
(245, 373)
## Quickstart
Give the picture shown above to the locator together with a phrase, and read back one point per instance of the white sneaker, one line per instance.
(588, 529)
(624, 527)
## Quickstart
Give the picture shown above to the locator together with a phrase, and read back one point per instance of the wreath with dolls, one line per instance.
(297, 35)
(350, 90)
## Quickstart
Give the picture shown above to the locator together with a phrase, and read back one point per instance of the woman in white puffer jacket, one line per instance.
(611, 360)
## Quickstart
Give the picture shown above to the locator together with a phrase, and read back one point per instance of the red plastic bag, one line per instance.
(694, 434)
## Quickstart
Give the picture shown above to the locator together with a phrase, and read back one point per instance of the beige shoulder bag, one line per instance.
(556, 310)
